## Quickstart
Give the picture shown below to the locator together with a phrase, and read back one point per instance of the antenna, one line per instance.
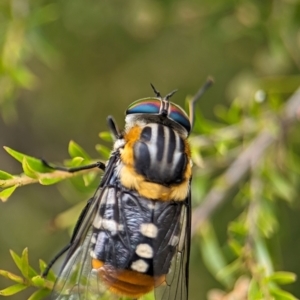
(170, 95)
(157, 93)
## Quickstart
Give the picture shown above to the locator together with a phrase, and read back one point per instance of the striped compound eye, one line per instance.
(144, 106)
(179, 116)
(153, 106)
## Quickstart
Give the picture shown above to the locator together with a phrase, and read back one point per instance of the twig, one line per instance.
(241, 166)
(23, 179)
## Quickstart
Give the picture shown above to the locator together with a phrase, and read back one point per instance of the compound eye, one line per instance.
(178, 115)
(144, 106)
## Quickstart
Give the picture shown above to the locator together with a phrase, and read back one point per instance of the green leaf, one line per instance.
(76, 161)
(51, 275)
(75, 150)
(35, 164)
(23, 76)
(263, 255)
(16, 155)
(42, 265)
(16, 258)
(266, 220)
(106, 136)
(235, 246)
(49, 181)
(103, 151)
(25, 263)
(38, 281)
(230, 270)
(283, 277)
(5, 175)
(149, 296)
(282, 187)
(6, 193)
(238, 228)
(254, 292)
(212, 254)
(40, 294)
(11, 276)
(31, 272)
(28, 170)
(14, 289)
(89, 178)
(22, 263)
(280, 294)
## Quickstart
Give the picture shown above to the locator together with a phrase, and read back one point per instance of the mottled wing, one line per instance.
(175, 286)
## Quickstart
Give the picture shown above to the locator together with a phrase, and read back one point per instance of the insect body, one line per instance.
(134, 235)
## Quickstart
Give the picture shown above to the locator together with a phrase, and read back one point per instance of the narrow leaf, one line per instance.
(40, 294)
(283, 277)
(6, 193)
(76, 161)
(254, 292)
(49, 181)
(235, 246)
(89, 178)
(20, 261)
(16, 155)
(51, 275)
(103, 151)
(34, 163)
(75, 150)
(38, 281)
(5, 175)
(31, 272)
(263, 255)
(105, 136)
(11, 276)
(28, 170)
(14, 289)
(25, 263)
(212, 254)
(280, 294)
(17, 259)
(42, 265)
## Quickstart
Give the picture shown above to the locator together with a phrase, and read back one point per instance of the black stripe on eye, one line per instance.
(179, 168)
(181, 145)
(171, 146)
(146, 134)
(142, 158)
(160, 142)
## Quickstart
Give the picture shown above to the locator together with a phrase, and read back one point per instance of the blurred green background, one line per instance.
(67, 64)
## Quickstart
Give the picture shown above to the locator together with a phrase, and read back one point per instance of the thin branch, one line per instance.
(241, 166)
(23, 179)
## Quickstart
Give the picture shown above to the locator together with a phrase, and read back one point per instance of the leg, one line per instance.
(113, 127)
(98, 165)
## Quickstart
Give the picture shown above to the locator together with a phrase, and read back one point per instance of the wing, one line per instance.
(175, 286)
(77, 279)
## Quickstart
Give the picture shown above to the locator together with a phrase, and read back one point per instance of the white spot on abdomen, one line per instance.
(149, 230)
(144, 250)
(140, 266)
